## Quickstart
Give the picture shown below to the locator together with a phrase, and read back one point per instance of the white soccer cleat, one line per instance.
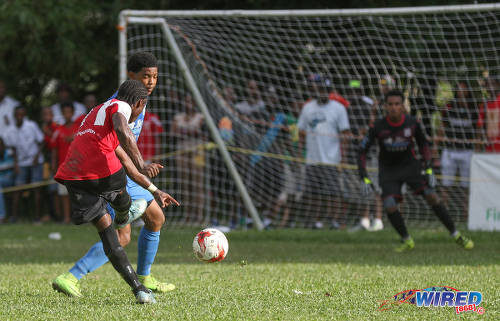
(365, 223)
(377, 225)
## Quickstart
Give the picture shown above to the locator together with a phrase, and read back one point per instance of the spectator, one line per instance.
(253, 107)
(64, 94)
(459, 120)
(149, 140)
(7, 165)
(48, 129)
(385, 84)
(359, 111)
(61, 139)
(324, 124)
(26, 138)
(90, 102)
(229, 96)
(491, 119)
(187, 127)
(7, 105)
(293, 171)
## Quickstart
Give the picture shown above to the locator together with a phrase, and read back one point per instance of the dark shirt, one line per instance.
(459, 125)
(396, 143)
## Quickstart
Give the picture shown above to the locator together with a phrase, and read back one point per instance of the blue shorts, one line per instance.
(29, 174)
(135, 192)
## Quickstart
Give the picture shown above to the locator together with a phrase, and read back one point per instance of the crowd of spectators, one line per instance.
(31, 150)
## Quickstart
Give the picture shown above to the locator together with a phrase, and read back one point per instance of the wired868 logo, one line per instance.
(438, 296)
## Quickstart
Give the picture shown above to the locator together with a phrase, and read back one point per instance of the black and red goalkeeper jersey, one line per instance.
(396, 142)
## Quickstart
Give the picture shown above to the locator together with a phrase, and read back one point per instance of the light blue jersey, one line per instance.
(135, 190)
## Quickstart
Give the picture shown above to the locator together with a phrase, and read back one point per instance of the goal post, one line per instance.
(246, 73)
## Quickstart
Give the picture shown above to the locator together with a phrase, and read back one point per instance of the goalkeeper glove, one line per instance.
(366, 186)
(431, 179)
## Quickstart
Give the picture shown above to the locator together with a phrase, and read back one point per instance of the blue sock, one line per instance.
(147, 248)
(91, 261)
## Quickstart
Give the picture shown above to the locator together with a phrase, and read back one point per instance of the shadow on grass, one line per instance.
(28, 244)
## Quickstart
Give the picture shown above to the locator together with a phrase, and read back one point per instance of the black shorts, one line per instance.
(322, 180)
(392, 179)
(89, 197)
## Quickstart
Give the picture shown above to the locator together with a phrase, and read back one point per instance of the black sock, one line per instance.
(118, 258)
(442, 213)
(398, 223)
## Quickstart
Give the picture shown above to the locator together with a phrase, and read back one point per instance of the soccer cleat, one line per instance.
(406, 245)
(377, 225)
(143, 297)
(154, 285)
(365, 223)
(137, 208)
(464, 242)
(68, 284)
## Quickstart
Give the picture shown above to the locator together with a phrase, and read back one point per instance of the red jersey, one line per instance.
(48, 138)
(61, 140)
(492, 131)
(91, 155)
(147, 142)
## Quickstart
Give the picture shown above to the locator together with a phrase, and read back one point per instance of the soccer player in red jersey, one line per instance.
(396, 135)
(94, 175)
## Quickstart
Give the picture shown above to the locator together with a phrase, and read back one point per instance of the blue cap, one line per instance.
(319, 79)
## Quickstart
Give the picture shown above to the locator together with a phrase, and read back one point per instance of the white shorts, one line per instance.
(292, 183)
(61, 190)
(453, 160)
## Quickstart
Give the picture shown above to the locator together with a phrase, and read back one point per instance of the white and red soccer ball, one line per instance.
(210, 245)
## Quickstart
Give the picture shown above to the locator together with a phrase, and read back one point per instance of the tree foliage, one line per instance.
(75, 41)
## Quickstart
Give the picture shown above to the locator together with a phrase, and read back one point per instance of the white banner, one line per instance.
(484, 198)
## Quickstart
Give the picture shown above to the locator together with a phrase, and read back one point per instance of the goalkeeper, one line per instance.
(396, 135)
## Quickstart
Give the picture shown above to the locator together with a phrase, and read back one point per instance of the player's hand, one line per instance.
(151, 170)
(366, 187)
(429, 176)
(163, 199)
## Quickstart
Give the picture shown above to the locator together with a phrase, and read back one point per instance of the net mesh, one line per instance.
(252, 74)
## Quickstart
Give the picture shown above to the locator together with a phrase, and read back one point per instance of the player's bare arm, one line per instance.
(162, 198)
(127, 141)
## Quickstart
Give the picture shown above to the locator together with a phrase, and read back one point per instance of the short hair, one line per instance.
(67, 104)
(394, 92)
(18, 107)
(131, 91)
(141, 59)
(64, 87)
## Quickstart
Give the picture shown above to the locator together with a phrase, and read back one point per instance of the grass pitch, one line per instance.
(270, 275)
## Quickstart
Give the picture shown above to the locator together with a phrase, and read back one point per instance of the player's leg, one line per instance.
(149, 238)
(418, 183)
(391, 196)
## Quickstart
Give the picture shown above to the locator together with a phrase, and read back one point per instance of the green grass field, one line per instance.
(271, 275)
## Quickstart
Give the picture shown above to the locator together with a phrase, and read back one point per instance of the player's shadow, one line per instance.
(22, 244)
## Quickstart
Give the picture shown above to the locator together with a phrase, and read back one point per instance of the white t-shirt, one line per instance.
(323, 125)
(80, 109)
(248, 109)
(25, 140)
(7, 106)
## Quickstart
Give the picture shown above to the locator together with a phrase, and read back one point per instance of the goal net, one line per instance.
(252, 69)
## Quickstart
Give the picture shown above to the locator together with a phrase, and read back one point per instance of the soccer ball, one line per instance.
(210, 245)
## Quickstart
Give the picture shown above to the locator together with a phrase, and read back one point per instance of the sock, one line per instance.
(147, 248)
(90, 262)
(442, 213)
(399, 224)
(117, 256)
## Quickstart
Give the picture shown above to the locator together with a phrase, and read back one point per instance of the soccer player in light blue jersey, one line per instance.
(141, 66)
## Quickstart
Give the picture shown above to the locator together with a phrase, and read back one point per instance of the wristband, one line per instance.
(152, 188)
